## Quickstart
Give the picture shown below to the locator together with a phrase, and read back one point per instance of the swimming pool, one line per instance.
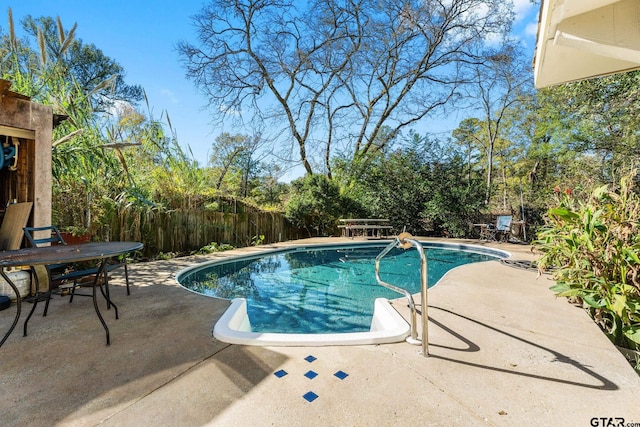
(320, 294)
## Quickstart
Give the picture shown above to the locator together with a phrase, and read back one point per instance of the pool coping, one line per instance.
(387, 325)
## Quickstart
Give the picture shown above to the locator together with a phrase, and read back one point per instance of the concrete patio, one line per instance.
(504, 351)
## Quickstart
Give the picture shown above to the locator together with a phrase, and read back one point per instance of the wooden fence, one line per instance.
(189, 230)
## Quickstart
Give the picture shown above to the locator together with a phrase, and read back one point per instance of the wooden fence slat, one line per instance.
(189, 230)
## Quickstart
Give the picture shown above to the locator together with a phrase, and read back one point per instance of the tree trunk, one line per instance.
(489, 173)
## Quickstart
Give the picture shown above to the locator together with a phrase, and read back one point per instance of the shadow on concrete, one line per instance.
(63, 371)
(470, 345)
(605, 384)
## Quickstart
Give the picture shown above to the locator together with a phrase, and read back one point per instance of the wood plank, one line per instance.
(15, 219)
(17, 132)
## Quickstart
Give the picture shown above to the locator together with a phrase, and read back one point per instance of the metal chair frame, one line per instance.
(63, 272)
(500, 231)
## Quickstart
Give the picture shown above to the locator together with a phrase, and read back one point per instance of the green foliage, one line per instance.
(423, 188)
(163, 256)
(55, 68)
(577, 133)
(85, 65)
(75, 230)
(215, 247)
(607, 110)
(395, 186)
(455, 199)
(316, 204)
(594, 245)
(257, 240)
(177, 180)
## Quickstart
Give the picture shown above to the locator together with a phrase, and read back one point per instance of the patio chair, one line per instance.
(53, 236)
(503, 228)
(500, 232)
(487, 231)
(45, 279)
(55, 275)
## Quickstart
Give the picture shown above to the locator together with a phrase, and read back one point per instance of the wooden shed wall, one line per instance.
(31, 124)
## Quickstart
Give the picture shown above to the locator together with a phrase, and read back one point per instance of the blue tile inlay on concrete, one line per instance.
(310, 358)
(311, 375)
(341, 374)
(310, 396)
(281, 373)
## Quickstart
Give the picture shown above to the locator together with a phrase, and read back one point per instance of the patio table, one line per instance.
(63, 254)
(365, 225)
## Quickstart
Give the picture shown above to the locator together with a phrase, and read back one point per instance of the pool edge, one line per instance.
(243, 336)
(387, 326)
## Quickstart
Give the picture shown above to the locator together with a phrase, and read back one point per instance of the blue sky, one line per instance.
(141, 36)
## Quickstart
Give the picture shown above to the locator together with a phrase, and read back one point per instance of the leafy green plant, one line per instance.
(163, 256)
(316, 204)
(214, 247)
(75, 230)
(595, 245)
(257, 240)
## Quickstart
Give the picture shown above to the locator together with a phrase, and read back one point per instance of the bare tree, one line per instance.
(227, 149)
(333, 74)
(498, 84)
(237, 155)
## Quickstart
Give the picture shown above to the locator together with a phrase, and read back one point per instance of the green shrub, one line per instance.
(593, 245)
(316, 204)
(257, 240)
(163, 256)
(214, 247)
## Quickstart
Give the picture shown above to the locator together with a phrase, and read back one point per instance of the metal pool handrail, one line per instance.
(405, 241)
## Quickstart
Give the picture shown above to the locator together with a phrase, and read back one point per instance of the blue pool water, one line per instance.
(324, 290)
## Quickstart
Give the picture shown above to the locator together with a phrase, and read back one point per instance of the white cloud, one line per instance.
(118, 107)
(167, 93)
(493, 39)
(225, 109)
(531, 29)
(522, 8)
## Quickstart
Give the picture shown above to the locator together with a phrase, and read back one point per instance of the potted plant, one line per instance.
(75, 234)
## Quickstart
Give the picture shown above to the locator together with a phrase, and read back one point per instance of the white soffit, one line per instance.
(581, 39)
